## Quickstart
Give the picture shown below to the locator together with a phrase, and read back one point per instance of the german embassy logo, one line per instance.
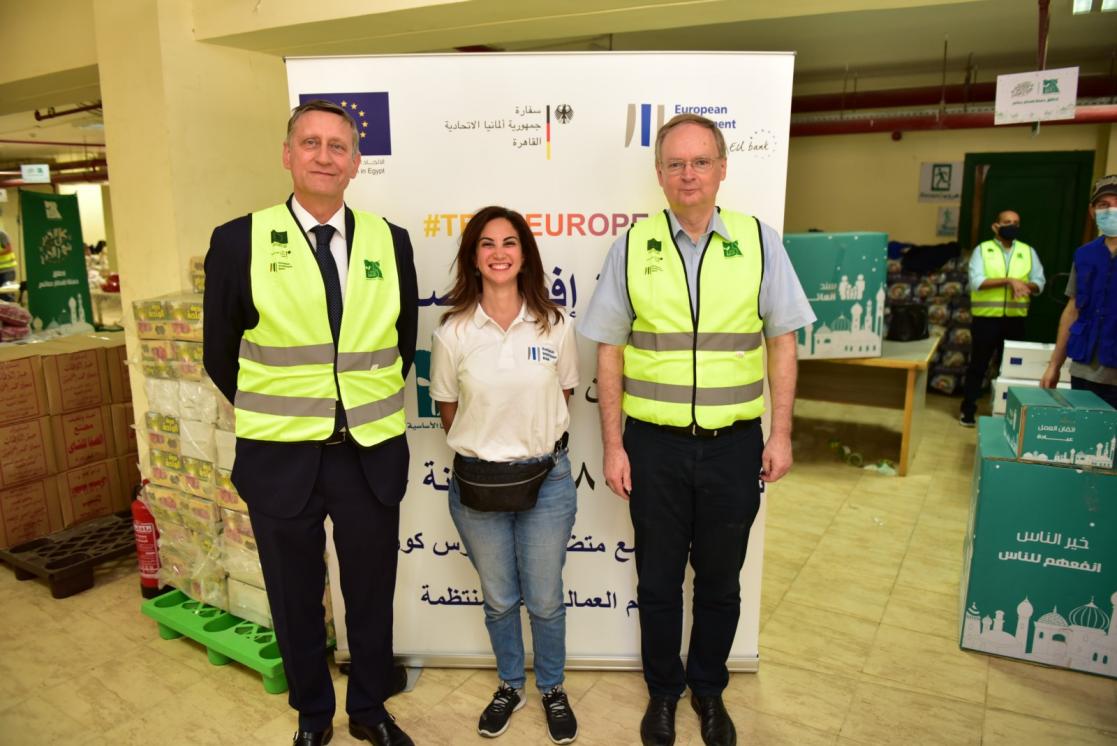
(370, 111)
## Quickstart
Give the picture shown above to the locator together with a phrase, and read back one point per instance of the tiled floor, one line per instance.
(858, 640)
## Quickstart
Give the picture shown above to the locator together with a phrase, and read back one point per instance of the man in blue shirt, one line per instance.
(1088, 326)
(693, 491)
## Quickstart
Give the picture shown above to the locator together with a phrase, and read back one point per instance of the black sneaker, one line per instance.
(562, 727)
(494, 720)
(967, 420)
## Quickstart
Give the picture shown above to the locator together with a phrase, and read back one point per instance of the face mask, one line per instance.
(1107, 221)
(1008, 232)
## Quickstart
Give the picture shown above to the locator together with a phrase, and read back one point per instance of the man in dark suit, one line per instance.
(310, 322)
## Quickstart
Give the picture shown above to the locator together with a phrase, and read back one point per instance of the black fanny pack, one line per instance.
(492, 486)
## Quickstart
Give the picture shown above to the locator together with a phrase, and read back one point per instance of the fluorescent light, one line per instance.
(1082, 6)
(1108, 5)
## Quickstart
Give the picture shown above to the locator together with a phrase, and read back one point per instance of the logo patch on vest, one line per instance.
(372, 270)
(279, 238)
(730, 248)
(653, 257)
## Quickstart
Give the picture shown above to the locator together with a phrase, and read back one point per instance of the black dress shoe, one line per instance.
(658, 726)
(717, 727)
(384, 733)
(313, 737)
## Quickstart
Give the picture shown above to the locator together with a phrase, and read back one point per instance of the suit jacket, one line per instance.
(277, 478)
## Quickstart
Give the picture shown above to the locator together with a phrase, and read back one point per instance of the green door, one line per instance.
(1050, 191)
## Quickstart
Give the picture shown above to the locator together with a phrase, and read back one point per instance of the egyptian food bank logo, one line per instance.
(370, 111)
(647, 132)
(279, 255)
(372, 270)
(653, 257)
(730, 248)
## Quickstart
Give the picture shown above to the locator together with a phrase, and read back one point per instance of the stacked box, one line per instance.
(1028, 360)
(189, 543)
(843, 275)
(1040, 569)
(1070, 427)
(197, 270)
(60, 462)
(1023, 365)
(1001, 385)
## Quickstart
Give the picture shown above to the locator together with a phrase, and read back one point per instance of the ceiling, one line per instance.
(902, 46)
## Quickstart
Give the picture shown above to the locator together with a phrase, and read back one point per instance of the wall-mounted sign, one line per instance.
(35, 173)
(1037, 96)
(940, 182)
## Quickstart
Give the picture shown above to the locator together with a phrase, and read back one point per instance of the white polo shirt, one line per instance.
(508, 384)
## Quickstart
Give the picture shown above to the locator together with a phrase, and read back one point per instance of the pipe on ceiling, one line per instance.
(1105, 114)
(53, 142)
(52, 114)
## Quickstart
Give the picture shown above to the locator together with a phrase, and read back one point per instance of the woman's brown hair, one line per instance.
(531, 282)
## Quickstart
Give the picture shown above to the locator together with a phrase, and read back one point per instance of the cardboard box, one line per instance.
(1076, 428)
(23, 392)
(167, 504)
(82, 437)
(76, 375)
(1029, 360)
(1002, 385)
(249, 602)
(1040, 560)
(26, 452)
(29, 511)
(225, 444)
(128, 467)
(116, 357)
(88, 492)
(844, 276)
(123, 429)
(164, 468)
(198, 477)
(225, 493)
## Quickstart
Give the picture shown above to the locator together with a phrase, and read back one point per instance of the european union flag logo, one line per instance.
(370, 111)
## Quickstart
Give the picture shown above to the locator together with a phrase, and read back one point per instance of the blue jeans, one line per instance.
(520, 556)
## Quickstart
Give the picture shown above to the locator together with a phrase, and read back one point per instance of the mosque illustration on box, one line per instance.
(1085, 640)
(855, 335)
(1102, 455)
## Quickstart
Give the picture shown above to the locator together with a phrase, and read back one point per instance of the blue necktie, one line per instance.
(328, 267)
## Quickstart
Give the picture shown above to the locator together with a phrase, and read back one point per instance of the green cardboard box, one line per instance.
(844, 276)
(1071, 427)
(1040, 566)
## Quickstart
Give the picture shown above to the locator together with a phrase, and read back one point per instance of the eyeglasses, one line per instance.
(700, 166)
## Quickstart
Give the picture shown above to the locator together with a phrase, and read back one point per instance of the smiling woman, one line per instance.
(503, 364)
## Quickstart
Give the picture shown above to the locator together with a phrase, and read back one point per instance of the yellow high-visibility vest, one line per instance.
(704, 368)
(286, 387)
(999, 301)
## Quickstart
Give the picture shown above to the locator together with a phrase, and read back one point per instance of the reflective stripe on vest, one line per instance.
(999, 301)
(682, 368)
(286, 387)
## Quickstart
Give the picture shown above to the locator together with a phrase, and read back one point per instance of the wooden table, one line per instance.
(895, 380)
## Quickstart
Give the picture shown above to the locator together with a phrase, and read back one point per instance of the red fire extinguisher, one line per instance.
(147, 547)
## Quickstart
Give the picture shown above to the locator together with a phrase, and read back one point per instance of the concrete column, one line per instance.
(194, 133)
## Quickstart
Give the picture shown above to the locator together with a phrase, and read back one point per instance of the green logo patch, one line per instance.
(654, 245)
(372, 271)
(1051, 85)
(730, 248)
(279, 237)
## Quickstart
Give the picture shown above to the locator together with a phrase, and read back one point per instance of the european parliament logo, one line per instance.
(640, 116)
(370, 111)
